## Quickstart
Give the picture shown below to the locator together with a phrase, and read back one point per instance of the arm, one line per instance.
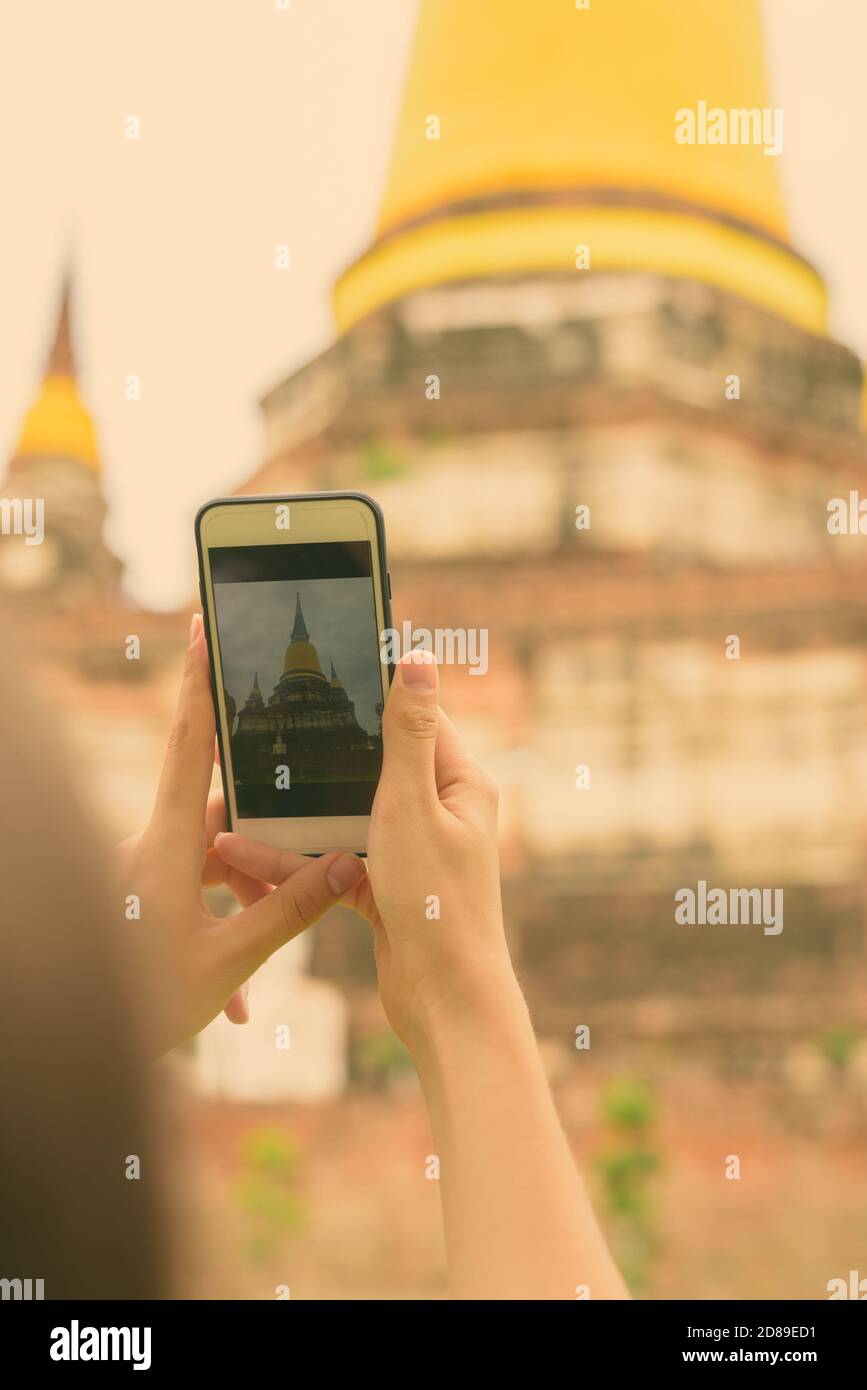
(518, 1221)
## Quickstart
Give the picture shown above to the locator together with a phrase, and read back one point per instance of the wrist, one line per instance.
(482, 1013)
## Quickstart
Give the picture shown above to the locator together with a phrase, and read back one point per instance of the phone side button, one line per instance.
(388, 581)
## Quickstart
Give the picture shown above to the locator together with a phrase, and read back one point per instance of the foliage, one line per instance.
(837, 1043)
(626, 1167)
(380, 461)
(266, 1191)
(628, 1105)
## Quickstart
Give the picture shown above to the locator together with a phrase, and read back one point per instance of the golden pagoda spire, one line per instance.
(57, 426)
(528, 128)
(301, 657)
(61, 361)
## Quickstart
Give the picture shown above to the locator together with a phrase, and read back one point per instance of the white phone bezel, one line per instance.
(245, 522)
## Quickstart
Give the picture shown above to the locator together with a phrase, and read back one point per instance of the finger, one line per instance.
(217, 872)
(214, 870)
(250, 937)
(458, 771)
(186, 774)
(275, 865)
(238, 1008)
(247, 890)
(360, 898)
(215, 815)
(409, 729)
(265, 862)
(453, 764)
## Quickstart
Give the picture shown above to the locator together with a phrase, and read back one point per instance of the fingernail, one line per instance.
(419, 670)
(195, 628)
(344, 873)
(218, 837)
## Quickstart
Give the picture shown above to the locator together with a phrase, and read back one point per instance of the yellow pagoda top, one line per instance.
(57, 425)
(301, 657)
(531, 126)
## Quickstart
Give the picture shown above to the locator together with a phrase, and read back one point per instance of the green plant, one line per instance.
(625, 1174)
(837, 1044)
(271, 1151)
(628, 1105)
(626, 1167)
(266, 1191)
(380, 461)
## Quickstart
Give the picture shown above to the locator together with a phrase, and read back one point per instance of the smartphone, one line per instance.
(295, 595)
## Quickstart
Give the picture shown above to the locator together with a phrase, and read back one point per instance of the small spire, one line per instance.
(333, 672)
(254, 699)
(299, 631)
(61, 361)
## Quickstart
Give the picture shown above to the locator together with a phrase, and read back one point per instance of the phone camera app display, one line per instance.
(302, 679)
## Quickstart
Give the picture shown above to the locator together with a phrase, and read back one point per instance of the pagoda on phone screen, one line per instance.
(307, 723)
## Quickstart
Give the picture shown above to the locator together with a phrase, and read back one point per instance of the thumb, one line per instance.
(248, 938)
(409, 726)
(186, 774)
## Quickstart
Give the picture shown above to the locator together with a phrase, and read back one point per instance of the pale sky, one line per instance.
(259, 127)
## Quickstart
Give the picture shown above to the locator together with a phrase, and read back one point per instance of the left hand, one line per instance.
(204, 960)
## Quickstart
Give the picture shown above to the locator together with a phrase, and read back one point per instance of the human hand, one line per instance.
(203, 960)
(432, 894)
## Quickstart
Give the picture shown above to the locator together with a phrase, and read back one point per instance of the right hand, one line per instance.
(432, 893)
(433, 870)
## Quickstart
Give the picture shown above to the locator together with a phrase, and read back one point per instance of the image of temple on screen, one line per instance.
(308, 722)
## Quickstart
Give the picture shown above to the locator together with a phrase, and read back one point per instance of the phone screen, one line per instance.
(299, 650)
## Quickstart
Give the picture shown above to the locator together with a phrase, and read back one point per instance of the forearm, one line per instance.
(518, 1221)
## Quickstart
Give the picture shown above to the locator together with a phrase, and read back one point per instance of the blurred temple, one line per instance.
(57, 460)
(112, 671)
(109, 666)
(589, 380)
